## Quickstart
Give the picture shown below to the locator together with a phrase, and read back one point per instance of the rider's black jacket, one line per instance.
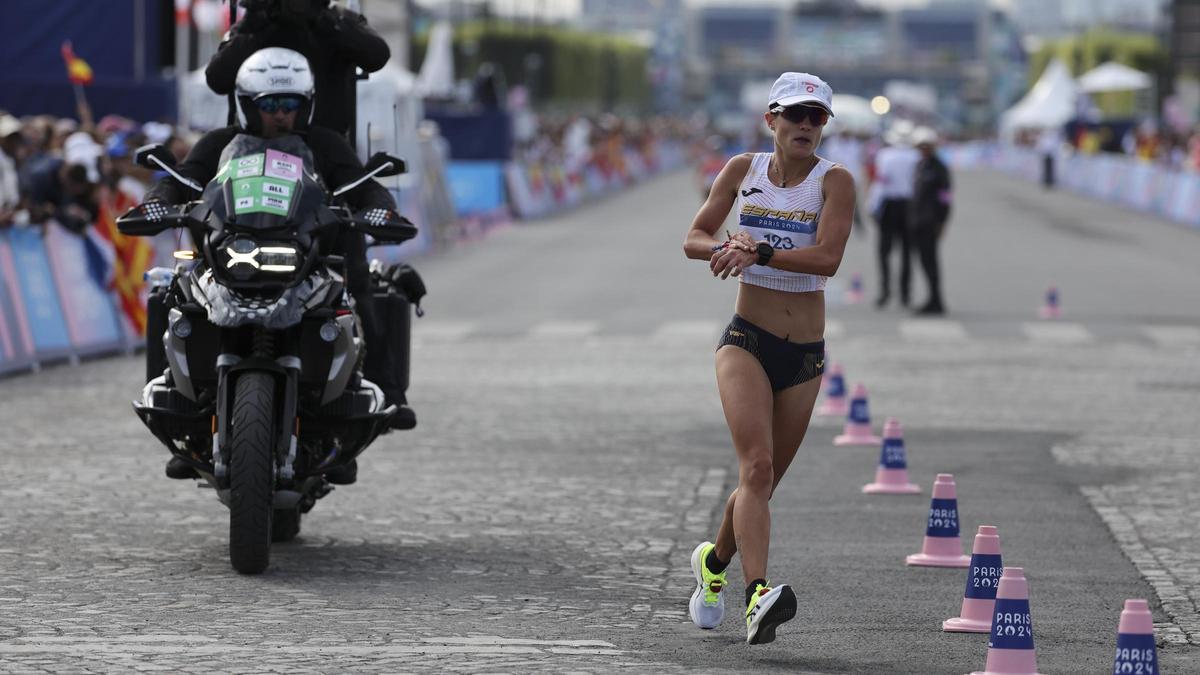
(334, 43)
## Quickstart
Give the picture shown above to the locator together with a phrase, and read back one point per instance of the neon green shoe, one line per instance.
(707, 607)
(768, 608)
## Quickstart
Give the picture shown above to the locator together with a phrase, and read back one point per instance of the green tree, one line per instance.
(565, 69)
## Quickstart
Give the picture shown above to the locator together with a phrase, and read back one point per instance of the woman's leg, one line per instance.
(748, 403)
(792, 411)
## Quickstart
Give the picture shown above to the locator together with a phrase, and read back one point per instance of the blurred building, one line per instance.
(968, 54)
(1045, 19)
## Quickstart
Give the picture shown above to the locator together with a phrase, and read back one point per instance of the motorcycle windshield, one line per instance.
(264, 184)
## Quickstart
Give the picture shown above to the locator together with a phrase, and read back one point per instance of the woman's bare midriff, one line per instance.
(797, 317)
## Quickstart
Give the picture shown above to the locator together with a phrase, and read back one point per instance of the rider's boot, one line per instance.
(180, 470)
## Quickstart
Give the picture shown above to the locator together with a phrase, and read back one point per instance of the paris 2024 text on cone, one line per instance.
(858, 421)
(835, 404)
(983, 576)
(1136, 652)
(1010, 643)
(891, 476)
(942, 546)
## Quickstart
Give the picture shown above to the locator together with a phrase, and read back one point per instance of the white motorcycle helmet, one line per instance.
(272, 72)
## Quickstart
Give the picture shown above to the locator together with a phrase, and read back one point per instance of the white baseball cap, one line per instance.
(797, 88)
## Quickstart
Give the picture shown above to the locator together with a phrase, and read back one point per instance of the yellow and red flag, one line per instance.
(78, 70)
(131, 257)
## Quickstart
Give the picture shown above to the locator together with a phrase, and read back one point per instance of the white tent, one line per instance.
(436, 79)
(1113, 76)
(1048, 105)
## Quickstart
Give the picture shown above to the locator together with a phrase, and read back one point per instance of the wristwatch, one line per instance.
(765, 251)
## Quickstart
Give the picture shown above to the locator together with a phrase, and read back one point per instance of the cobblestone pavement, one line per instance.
(540, 518)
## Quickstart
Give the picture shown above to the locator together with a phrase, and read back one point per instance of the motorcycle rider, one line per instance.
(334, 40)
(275, 97)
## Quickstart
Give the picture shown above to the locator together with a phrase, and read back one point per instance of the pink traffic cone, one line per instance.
(891, 476)
(942, 547)
(835, 393)
(858, 422)
(854, 294)
(1136, 652)
(982, 578)
(1051, 310)
(1010, 646)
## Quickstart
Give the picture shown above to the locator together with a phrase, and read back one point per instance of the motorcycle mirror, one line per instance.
(158, 157)
(381, 165)
(147, 155)
(390, 165)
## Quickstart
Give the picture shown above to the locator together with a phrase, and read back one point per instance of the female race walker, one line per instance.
(794, 211)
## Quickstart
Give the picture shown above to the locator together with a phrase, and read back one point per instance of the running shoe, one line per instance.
(768, 608)
(707, 607)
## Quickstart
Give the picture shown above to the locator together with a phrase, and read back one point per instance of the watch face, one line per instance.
(764, 248)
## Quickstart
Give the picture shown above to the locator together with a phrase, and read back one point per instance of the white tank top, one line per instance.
(786, 218)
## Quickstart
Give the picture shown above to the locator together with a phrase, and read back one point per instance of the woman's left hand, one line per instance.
(731, 260)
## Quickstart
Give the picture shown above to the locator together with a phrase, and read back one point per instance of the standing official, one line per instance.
(928, 214)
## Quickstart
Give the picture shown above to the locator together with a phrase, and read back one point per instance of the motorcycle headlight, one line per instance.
(245, 259)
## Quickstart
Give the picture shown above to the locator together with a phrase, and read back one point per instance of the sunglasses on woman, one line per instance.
(796, 113)
(271, 104)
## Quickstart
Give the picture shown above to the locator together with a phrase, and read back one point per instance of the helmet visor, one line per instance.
(288, 103)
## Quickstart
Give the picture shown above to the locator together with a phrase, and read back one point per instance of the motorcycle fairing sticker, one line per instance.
(263, 195)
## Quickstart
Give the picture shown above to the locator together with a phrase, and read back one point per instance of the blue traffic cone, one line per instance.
(858, 421)
(1010, 645)
(1136, 652)
(942, 546)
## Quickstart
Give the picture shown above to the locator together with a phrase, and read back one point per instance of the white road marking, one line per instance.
(564, 329)
(433, 329)
(695, 330)
(1055, 332)
(933, 330)
(1174, 336)
(194, 645)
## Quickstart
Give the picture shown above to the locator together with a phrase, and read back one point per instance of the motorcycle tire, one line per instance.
(285, 524)
(251, 472)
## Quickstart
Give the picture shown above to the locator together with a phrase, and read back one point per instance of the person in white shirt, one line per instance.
(895, 168)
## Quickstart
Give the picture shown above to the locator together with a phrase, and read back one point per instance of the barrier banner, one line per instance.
(476, 187)
(39, 297)
(90, 314)
(1185, 206)
(16, 342)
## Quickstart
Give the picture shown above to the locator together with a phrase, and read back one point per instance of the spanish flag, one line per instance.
(131, 257)
(78, 70)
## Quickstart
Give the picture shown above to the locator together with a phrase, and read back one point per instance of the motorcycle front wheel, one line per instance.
(251, 472)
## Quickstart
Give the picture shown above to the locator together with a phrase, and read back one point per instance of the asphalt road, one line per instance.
(571, 452)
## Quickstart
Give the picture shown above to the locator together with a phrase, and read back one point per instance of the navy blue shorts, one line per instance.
(787, 364)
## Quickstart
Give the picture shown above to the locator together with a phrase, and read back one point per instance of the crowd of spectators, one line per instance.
(65, 169)
(1145, 141)
(579, 142)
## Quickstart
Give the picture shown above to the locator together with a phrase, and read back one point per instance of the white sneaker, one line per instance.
(707, 607)
(769, 608)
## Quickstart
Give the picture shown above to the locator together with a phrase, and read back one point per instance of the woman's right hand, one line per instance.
(731, 260)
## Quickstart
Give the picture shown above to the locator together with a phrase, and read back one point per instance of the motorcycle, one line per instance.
(262, 393)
